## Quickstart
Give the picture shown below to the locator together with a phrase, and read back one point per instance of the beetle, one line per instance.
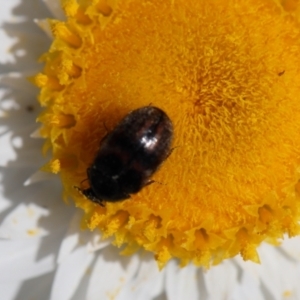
(129, 155)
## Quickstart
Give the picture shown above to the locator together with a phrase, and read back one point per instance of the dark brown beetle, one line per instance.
(129, 155)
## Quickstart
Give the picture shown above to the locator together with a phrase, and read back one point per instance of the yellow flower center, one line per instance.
(227, 74)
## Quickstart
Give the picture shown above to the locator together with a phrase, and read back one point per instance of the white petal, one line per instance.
(19, 123)
(75, 236)
(70, 273)
(23, 42)
(22, 222)
(7, 42)
(221, 280)
(96, 243)
(291, 247)
(39, 176)
(182, 283)
(9, 290)
(22, 254)
(36, 134)
(36, 288)
(277, 274)
(55, 8)
(18, 81)
(110, 274)
(248, 288)
(71, 238)
(45, 26)
(7, 151)
(4, 203)
(147, 284)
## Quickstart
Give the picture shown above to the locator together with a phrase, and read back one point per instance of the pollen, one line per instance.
(227, 75)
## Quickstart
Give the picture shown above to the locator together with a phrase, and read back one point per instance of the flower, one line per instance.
(55, 255)
(232, 92)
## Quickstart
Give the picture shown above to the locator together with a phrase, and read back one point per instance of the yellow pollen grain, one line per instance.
(32, 232)
(287, 294)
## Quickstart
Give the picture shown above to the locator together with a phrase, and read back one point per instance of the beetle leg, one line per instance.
(150, 181)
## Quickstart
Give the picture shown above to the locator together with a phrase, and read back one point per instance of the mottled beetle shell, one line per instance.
(129, 155)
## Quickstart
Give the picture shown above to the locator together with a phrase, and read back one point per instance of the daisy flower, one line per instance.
(221, 224)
